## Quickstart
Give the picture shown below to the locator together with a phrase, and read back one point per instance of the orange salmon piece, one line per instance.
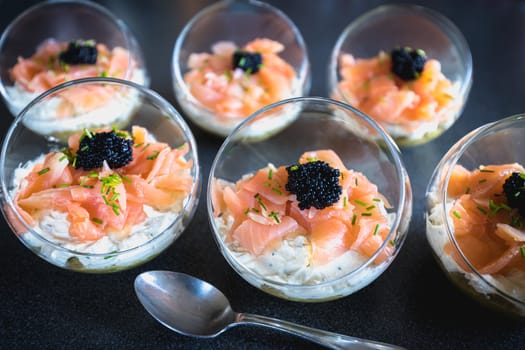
(269, 184)
(233, 93)
(256, 237)
(329, 239)
(327, 156)
(482, 220)
(369, 85)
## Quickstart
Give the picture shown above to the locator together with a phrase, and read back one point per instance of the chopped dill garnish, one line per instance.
(456, 214)
(376, 199)
(267, 184)
(246, 211)
(505, 207)
(138, 144)
(43, 171)
(126, 179)
(144, 148)
(153, 156)
(93, 175)
(312, 159)
(259, 200)
(376, 229)
(115, 208)
(109, 183)
(270, 173)
(276, 190)
(481, 209)
(494, 208)
(121, 133)
(482, 181)
(366, 214)
(275, 215)
(354, 219)
(87, 133)
(344, 201)
(370, 207)
(361, 203)
(486, 170)
(294, 167)
(522, 251)
(467, 190)
(84, 148)
(97, 221)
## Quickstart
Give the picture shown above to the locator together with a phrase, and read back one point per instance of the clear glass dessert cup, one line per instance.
(317, 124)
(496, 143)
(400, 25)
(60, 22)
(47, 231)
(240, 22)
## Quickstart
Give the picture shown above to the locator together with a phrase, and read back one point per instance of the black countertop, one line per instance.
(411, 304)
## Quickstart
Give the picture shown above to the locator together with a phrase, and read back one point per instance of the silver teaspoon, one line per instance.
(195, 308)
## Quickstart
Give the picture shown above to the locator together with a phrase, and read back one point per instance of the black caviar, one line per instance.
(250, 62)
(80, 52)
(408, 63)
(314, 183)
(514, 189)
(96, 148)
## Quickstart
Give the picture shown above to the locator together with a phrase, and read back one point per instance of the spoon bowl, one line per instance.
(190, 306)
(171, 298)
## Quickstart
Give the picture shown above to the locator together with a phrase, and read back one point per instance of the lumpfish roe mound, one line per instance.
(96, 148)
(408, 63)
(514, 188)
(249, 62)
(80, 52)
(314, 183)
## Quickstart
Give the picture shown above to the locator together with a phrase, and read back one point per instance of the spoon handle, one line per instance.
(329, 339)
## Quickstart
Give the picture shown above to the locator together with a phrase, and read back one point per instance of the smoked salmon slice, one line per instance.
(488, 231)
(104, 201)
(260, 213)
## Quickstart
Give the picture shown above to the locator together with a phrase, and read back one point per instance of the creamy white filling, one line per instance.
(512, 283)
(290, 263)
(43, 117)
(53, 226)
(220, 125)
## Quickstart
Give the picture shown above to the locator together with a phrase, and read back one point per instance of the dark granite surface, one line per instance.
(411, 304)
